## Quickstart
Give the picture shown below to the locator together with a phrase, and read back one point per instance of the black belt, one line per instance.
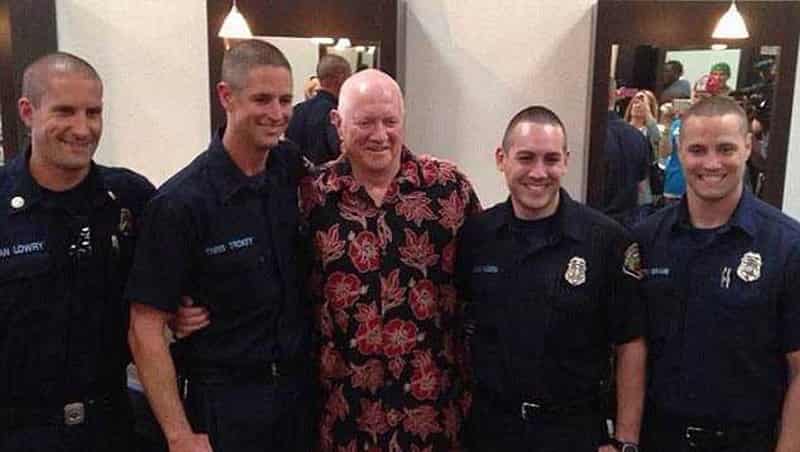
(702, 434)
(71, 414)
(269, 374)
(535, 408)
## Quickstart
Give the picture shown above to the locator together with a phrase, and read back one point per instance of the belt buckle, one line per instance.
(701, 438)
(74, 413)
(524, 409)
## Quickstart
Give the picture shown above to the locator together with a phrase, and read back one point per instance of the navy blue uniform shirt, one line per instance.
(64, 259)
(546, 310)
(311, 129)
(230, 242)
(723, 310)
(628, 156)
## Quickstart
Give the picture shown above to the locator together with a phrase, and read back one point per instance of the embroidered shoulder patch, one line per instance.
(633, 262)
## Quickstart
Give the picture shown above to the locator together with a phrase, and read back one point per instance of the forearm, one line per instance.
(631, 358)
(157, 372)
(789, 439)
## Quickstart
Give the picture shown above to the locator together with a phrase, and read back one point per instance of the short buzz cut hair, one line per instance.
(676, 65)
(330, 65)
(247, 55)
(718, 106)
(537, 114)
(37, 75)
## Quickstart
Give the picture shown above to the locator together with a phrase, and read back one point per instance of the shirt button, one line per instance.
(17, 202)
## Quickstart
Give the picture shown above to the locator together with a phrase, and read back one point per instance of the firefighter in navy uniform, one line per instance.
(550, 287)
(67, 231)
(722, 277)
(225, 231)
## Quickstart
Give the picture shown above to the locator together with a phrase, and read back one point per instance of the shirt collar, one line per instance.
(342, 170)
(31, 192)
(328, 95)
(743, 217)
(228, 178)
(566, 221)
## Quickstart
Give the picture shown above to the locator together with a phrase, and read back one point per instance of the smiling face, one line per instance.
(533, 165)
(67, 122)
(258, 112)
(370, 121)
(714, 152)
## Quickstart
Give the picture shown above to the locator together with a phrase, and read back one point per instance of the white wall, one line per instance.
(791, 194)
(153, 58)
(302, 55)
(471, 64)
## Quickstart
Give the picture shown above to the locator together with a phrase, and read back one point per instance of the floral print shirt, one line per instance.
(391, 368)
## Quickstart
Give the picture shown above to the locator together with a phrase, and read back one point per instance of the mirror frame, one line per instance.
(637, 22)
(369, 20)
(27, 31)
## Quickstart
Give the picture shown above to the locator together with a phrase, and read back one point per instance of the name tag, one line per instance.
(656, 271)
(485, 269)
(230, 245)
(21, 249)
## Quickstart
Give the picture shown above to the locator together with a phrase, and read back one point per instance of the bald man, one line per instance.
(384, 223)
(66, 242)
(310, 127)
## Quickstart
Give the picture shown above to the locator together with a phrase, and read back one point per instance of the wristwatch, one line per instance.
(622, 446)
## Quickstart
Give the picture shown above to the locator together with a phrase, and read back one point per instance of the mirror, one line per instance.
(672, 75)
(304, 53)
(635, 38)
(296, 27)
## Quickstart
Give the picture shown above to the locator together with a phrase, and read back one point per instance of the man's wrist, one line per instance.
(623, 446)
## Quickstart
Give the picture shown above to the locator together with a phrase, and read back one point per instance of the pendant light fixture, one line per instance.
(731, 25)
(235, 26)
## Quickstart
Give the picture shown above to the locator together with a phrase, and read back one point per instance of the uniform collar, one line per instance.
(228, 178)
(327, 95)
(743, 217)
(31, 192)
(566, 220)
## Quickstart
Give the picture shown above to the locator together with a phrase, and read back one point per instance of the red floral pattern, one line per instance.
(342, 289)
(423, 299)
(386, 308)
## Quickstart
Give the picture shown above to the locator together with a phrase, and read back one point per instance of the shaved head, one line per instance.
(37, 75)
(370, 121)
(365, 84)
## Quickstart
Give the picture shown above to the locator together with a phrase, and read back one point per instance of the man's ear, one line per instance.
(499, 158)
(224, 93)
(25, 108)
(336, 120)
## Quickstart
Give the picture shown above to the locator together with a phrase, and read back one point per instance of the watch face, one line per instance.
(629, 448)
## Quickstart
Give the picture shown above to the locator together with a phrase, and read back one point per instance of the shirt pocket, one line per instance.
(485, 318)
(747, 318)
(237, 278)
(575, 323)
(663, 312)
(30, 320)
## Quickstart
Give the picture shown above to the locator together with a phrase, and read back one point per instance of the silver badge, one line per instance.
(576, 271)
(749, 268)
(17, 202)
